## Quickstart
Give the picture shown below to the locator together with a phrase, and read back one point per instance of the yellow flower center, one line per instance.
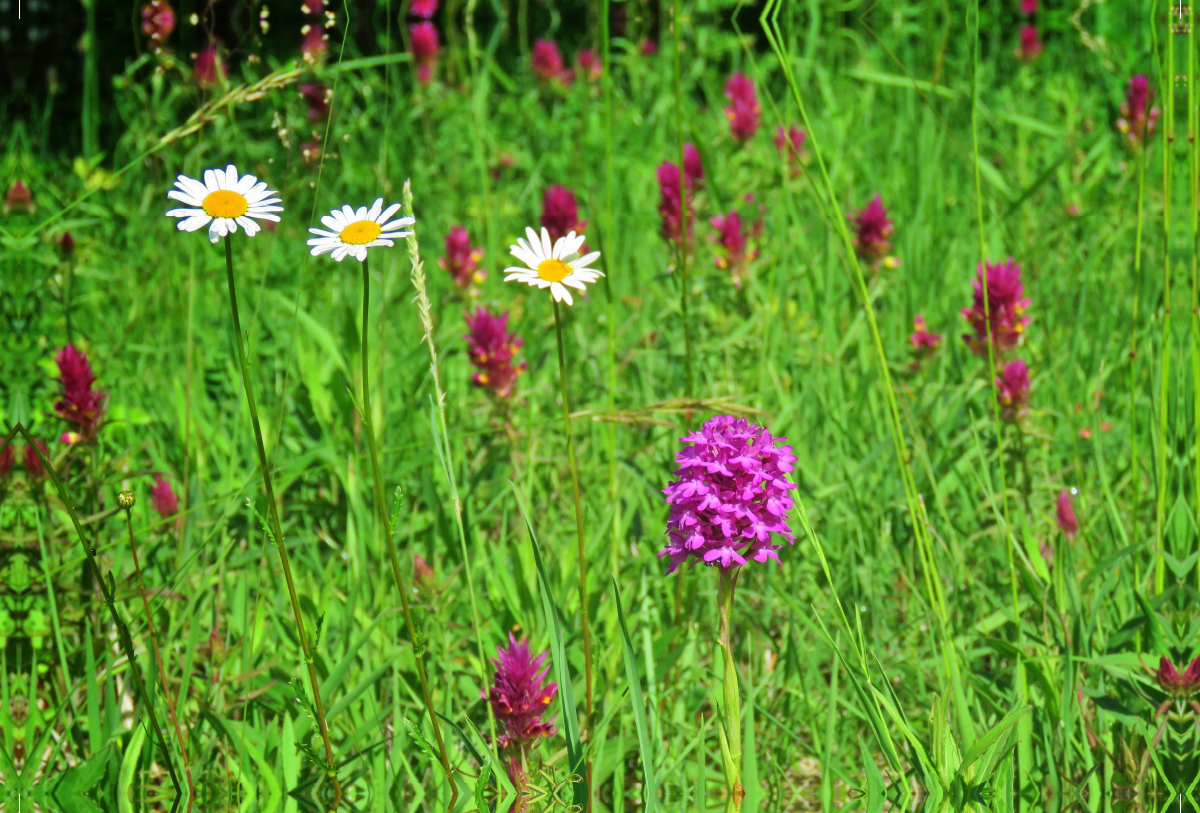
(361, 233)
(553, 270)
(225, 203)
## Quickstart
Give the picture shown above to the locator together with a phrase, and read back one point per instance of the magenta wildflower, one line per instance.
(425, 9)
(80, 403)
(1136, 122)
(560, 213)
(425, 49)
(1005, 308)
(923, 342)
(163, 498)
(209, 67)
(693, 170)
(744, 110)
(1031, 44)
(34, 467)
(461, 260)
(520, 695)
(312, 7)
(872, 229)
(316, 96)
(1065, 513)
(590, 65)
(1013, 390)
(158, 21)
(492, 351)
(1175, 684)
(19, 197)
(423, 576)
(735, 241)
(66, 244)
(546, 60)
(790, 144)
(1029, 6)
(315, 42)
(670, 205)
(648, 47)
(8, 459)
(731, 495)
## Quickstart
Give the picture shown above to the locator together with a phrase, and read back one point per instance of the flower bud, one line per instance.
(126, 500)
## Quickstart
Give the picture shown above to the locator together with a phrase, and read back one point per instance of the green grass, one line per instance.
(882, 655)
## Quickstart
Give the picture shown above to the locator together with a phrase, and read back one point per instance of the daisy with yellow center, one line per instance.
(352, 232)
(553, 266)
(223, 202)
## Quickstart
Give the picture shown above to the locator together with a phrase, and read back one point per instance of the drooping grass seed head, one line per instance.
(349, 232)
(223, 202)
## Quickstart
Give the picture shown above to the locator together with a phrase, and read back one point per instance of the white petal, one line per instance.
(348, 213)
(210, 181)
(264, 216)
(393, 235)
(330, 222)
(321, 248)
(184, 197)
(245, 184)
(359, 253)
(341, 252)
(396, 224)
(186, 213)
(535, 243)
(376, 208)
(191, 187)
(388, 212)
(575, 282)
(322, 233)
(380, 241)
(249, 225)
(547, 249)
(524, 256)
(561, 294)
(193, 223)
(586, 260)
(231, 176)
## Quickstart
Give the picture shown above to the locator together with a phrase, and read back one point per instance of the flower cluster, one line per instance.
(872, 231)
(923, 343)
(1031, 44)
(589, 64)
(425, 47)
(493, 350)
(423, 9)
(520, 695)
(735, 242)
(1137, 122)
(317, 97)
(671, 203)
(1177, 685)
(158, 21)
(1004, 309)
(731, 495)
(315, 41)
(1065, 514)
(461, 260)
(208, 66)
(743, 111)
(19, 197)
(547, 62)
(560, 212)
(163, 498)
(80, 403)
(1012, 390)
(790, 144)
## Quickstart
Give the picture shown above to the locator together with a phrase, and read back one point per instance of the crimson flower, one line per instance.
(19, 197)
(316, 96)
(520, 695)
(425, 9)
(1136, 122)
(163, 498)
(8, 459)
(1175, 684)
(461, 260)
(80, 402)
(923, 342)
(648, 47)
(872, 229)
(1029, 6)
(492, 351)
(315, 42)
(790, 144)
(34, 467)
(1031, 44)
(313, 7)
(671, 204)
(560, 213)
(425, 49)
(589, 64)
(546, 60)
(158, 21)
(731, 495)
(1004, 308)
(1065, 513)
(693, 170)
(735, 242)
(209, 67)
(1012, 387)
(744, 111)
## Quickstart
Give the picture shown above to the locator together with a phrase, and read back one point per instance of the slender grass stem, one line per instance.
(615, 564)
(684, 288)
(732, 695)
(565, 380)
(385, 529)
(277, 530)
(126, 501)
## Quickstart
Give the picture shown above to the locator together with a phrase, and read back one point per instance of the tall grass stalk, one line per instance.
(1160, 514)
(126, 501)
(425, 312)
(684, 288)
(387, 532)
(565, 380)
(609, 181)
(277, 530)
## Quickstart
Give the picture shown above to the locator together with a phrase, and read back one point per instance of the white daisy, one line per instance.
(553, 267)
(226, 201)
(351, 233)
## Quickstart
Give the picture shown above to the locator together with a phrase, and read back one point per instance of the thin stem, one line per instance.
(583, 591)
(685, 288)
(733, 703)
(385, 529)
(277, 530)
(162, 672)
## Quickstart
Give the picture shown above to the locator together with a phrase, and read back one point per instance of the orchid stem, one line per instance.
(733, 705)
(277, 530)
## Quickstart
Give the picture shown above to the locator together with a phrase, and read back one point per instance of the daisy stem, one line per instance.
(162, 672)
(583, 591)
(385, 529)
(733, 706)
(277, 530)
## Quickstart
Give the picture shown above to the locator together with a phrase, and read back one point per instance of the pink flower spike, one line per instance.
(461, 260)
(1065, 514)
(790, 144)
(424, 9)
(737, 255)
(209, 67)
(546, 60)
(163, 498)
(1004, 309)
(316, 96)
(1013, 390)
(693, 170)
(744, 111)
(671, 202)
(80, 402)
(1031, 44)
(873, 229)
(520, 695)
(158, 21)
(1029, 6)
(560, 213)
(1138, 119)
(589, 64)
(923, 343)
(493, 352)
(425, 47)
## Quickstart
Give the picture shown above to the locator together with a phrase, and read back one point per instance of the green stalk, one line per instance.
(565, 379)
(1165, 370)
(685, 289)
(424, 309)
(731, 733)
(611, 321)
(385, 528)
(277, 529)
(125, 500)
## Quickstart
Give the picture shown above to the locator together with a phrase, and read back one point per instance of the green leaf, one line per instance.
(71, 791)
(646, 743)
(991, 737)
